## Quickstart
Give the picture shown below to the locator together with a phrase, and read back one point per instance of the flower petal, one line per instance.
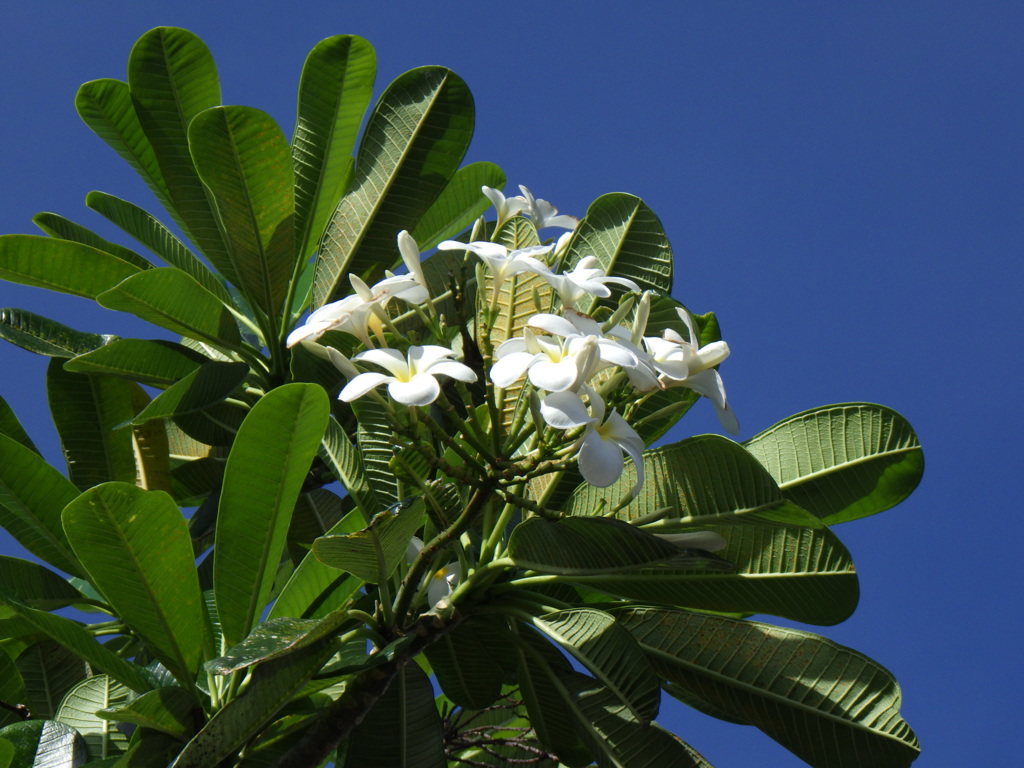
(454, 370)
(564, 410)
(600, 461)
(421, 389)
(362, 384)
(391, 359)
(510, 368)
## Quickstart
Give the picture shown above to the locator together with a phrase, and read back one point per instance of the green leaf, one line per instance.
(700, 480)
(81, 643)
(170, 710)
(616, 737)
(46, 744)
(414, 140)
(61, 265)
(79, 711)
(376, 551)
(539, 666)
(172, 299)
(376, 442)
(842, 462)
(402, 730)
(628, 240)
(87, 411)
(334, 92)
(35, 585)
(10, 426)
(64, 229)
(172, 78)
(464, 667)
(136, 547)
(267, 465)
(345, 461)
(595, 546)
(6, 753)
(204, 387)
(12, 689)
(798, 573)
(155, 236)
(157, 363)
(271, 686)
(106, 107)
(609, 653)
(43, 336)
(315, 589)
(243, 158)
(277, 637)
(460, 204)
(32, 495)
(831, 706)
(49, 671)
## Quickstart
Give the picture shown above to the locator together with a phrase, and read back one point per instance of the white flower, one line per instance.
(357, 314)
(684, 363)
(413, 380)
(604, 439)
(553, 364)
(586, 278)
(544, 214)
(443, 583)
(499, 262)
(507, 206)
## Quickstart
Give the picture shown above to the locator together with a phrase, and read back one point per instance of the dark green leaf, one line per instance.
(402, 730)
(465, 669)
(334, 91)
(265, 470)
(170, 709)
(609, 653)
(831, 706)
(172, 299)
(64, 229)
(88, 411)
(136, 546)
(49, 671)
(172, 78)
(243, 158)
(61, 265)
(155, 236)
(32, 495)
(271, 686)
(158, 363)
(376, 551)
(842, 462)
(44, 336)
(10, 426)
(46, 744)
(460, 203)
(201, 389)
(594, 546)
(12, 687)
(628, 240)
(414, 140)
(35, 585)
(701, 480)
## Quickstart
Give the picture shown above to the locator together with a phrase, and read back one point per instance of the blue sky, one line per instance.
(841, 183)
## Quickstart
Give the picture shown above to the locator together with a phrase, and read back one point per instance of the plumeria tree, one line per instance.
(381, 490)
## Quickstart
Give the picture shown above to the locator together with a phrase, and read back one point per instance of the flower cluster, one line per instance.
(572, 362)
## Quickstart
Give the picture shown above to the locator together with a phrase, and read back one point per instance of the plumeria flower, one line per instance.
(413, 380)
(553, 364)
(499, 262)
(507, 207)
(586, 279)
(671, 354)
(544, 214)
(357, 314)
(443, 583)
(604, 439)
(574, 326)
